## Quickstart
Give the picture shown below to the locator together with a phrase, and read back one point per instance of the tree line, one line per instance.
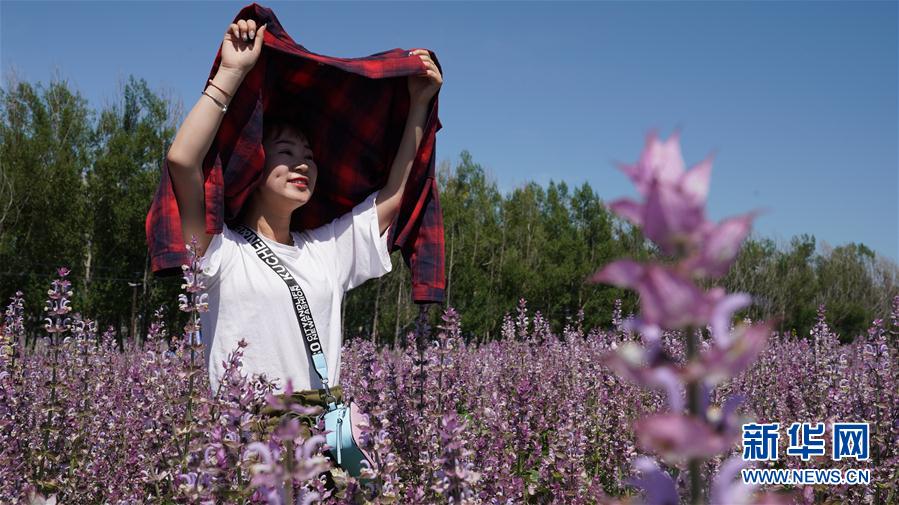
(76, 184)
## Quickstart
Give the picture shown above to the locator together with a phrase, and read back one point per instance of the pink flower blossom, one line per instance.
(667, 298)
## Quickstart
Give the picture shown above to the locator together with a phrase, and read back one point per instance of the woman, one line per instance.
(247, 300)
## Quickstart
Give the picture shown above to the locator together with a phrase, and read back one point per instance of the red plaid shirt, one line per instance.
(354, 112)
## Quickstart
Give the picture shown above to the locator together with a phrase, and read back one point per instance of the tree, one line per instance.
(130, 141)
(75, 188)
(846, 287)
(45, 153)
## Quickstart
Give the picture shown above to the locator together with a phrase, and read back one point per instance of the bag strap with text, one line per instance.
(300, 305)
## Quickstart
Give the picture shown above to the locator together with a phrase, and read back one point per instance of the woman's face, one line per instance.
(290, 172)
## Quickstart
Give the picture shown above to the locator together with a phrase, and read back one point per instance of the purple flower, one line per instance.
(276, 402)
(724, 360)
(678, 437)
(655, 483)
(663, 161)
(667, 298)
(649, 366)
(726, 488)
(719, 245)
(674, 210)
(723, 313)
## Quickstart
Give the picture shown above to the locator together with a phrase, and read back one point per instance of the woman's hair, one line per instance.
(277, 125)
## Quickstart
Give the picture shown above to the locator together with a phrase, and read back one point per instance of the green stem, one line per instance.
(54, 343)
(693, 407)
(288, 464)
(190, 393)
(190, 389)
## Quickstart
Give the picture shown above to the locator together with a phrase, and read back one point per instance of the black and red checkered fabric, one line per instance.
(354, 111)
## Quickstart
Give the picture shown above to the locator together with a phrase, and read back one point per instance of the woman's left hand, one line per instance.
(423, 87)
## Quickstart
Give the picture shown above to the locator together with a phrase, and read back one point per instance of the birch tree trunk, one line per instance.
(87, 264)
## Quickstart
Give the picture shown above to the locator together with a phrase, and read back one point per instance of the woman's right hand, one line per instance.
(242, 46)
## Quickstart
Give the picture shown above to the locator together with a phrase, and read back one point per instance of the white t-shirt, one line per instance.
(248, 300)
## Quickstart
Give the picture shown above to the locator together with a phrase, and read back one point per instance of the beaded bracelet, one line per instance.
(220, 104)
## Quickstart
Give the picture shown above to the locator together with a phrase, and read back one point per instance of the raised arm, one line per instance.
(241, 47)
(421, 90)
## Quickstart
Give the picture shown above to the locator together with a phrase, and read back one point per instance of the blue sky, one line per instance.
(798, 99)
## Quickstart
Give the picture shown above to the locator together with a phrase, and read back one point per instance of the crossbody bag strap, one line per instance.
(300, 305)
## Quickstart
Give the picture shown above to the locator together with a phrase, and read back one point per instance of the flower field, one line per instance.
(535, 418)
(646, 411)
